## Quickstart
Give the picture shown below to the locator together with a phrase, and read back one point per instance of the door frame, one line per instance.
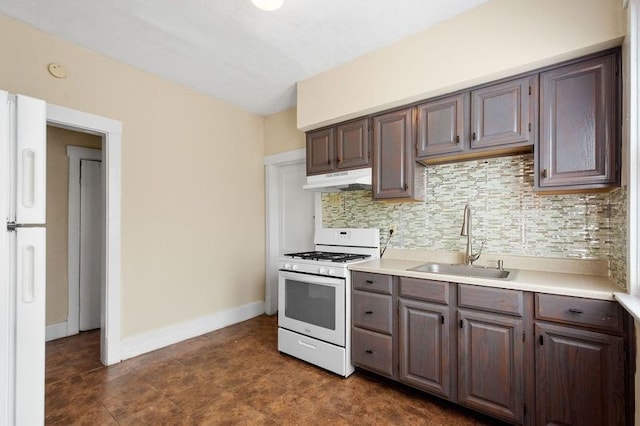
(111, 133)
(272, 164)
(75, 155)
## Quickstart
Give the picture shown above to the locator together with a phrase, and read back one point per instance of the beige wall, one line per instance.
(58, 216)
(281, 133)
(192, 179)
(497, 39)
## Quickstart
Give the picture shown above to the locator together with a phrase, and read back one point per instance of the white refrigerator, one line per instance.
(22, 259)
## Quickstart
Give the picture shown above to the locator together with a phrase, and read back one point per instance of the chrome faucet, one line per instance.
(469, 257)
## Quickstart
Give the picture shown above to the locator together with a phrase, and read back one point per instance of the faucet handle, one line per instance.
(475, 256)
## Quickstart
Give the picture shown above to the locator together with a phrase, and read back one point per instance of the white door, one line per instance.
(291, 215)
(296, 210)
(90, 243)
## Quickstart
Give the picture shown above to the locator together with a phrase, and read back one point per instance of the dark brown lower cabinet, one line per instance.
(491, 364)
(524, 358)
(579, 377)
(424, 346)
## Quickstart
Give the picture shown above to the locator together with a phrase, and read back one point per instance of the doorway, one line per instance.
(110, 133)
(292, 215)
(68, 277)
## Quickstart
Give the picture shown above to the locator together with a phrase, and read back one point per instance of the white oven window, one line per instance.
(311, 303)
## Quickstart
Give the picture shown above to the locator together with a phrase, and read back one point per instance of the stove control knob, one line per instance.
(287, 266)
(294, 267)
(332, 272)
(322, 271)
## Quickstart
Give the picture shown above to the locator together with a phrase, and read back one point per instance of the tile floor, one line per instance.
(230, 376)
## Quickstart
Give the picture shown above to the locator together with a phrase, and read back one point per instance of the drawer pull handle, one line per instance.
(368, 312)
(575, 311)
(369, 351)
(369, 282)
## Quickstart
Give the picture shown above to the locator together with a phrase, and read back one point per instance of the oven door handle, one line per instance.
(311, 279)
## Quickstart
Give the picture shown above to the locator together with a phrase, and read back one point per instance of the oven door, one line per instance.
(312, 305)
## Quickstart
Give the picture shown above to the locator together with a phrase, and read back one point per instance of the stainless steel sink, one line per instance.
(462, 270)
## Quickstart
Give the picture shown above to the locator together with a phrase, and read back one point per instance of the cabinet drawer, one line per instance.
(372, 311)
(431, 291)
(372, 351)
(372, 282)
(600, 314)
(498, 300)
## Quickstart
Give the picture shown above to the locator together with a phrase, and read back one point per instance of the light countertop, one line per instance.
(563, 277)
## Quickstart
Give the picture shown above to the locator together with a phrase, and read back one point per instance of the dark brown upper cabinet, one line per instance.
(579, 126)
(352, 145)
(442, 126)
(394, 167)
(499, 119)
(320, 151)
(342, 147)
(504, 114)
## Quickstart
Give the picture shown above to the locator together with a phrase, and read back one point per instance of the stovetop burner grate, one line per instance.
(328, 256)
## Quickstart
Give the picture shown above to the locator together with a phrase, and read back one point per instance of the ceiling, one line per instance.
(229, 48)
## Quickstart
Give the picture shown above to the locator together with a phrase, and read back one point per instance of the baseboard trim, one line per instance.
(156, 339)
(55, 331)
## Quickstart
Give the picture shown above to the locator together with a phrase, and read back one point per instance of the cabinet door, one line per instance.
(503, 114)
(441, 126)
(352, 145)
(424, 347)
(393, 159)
(490, 364)
(578, 125)
(579, 377)
(320, 154)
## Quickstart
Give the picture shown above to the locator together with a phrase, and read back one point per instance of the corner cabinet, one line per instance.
(580, 361)
(579, 126)
(341, 147)
(396, 175)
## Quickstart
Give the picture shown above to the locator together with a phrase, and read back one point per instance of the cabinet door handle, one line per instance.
(545, 174)
(339, 160)
(575, 311)
(461, 323)
(457, 139)
(368, 312)
(369, 282)
(329, 162)
(442, 319)
(406, 186)
(369, 351)
(473, 137)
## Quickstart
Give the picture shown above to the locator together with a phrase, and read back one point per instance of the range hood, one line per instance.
(348, 180)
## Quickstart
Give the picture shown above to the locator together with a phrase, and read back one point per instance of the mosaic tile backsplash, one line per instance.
(507, 214)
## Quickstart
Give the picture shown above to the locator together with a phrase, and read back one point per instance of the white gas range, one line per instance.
(314, 297)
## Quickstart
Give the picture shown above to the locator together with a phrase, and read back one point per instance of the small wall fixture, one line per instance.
(57, 70)
(268, 4)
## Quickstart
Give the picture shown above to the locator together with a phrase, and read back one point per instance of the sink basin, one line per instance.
(462, 270)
